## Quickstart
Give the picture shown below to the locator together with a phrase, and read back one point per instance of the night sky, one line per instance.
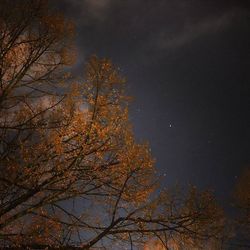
(187, 63)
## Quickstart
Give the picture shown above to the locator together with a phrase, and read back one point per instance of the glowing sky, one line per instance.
(187, 65)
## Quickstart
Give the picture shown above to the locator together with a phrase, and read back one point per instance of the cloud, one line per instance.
(93, 9)
(98, 8)
(191, 32)
(98, 4)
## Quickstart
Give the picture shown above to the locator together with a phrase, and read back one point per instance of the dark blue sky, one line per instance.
(188, 66)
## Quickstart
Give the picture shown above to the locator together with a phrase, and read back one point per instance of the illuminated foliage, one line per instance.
(72, 173)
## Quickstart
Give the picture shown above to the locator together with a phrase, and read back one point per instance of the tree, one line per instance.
(72, 174)
(242, 204)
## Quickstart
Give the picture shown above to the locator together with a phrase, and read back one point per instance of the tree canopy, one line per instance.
(72, 174)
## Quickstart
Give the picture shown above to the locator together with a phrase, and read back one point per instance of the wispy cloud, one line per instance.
(93, 9)
(191, 32)
(98, 8)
